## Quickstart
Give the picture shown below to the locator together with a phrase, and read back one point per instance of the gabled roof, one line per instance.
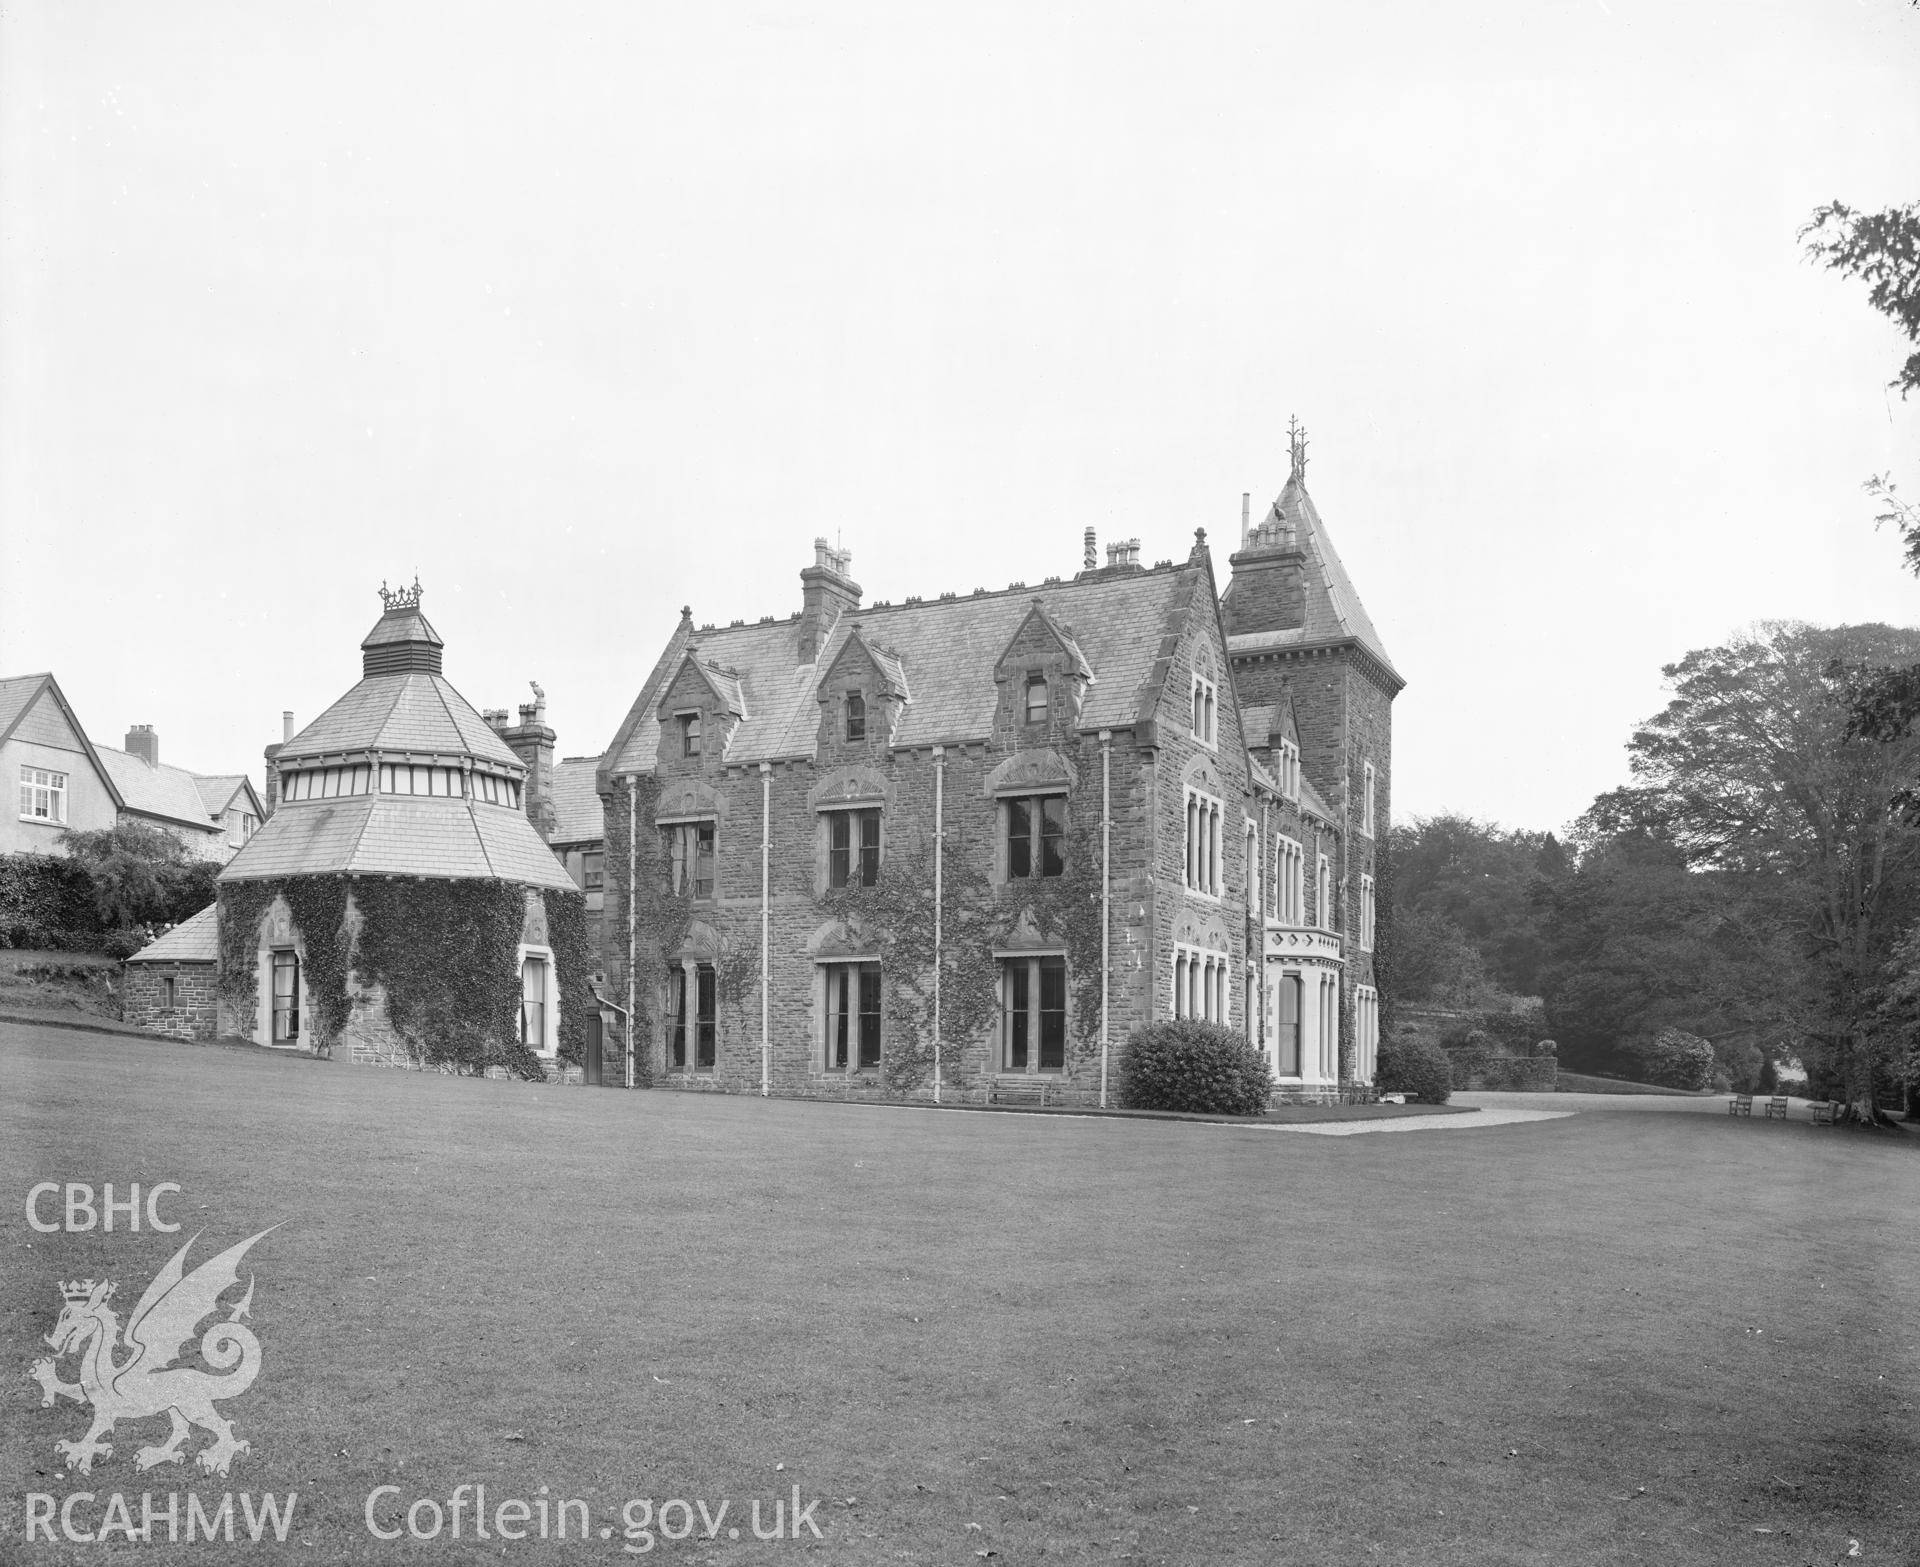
(217, 793)
(157, 789)
(1334, 612)
(195, 939)
(946, 649)
(18, 693)
(578, 815)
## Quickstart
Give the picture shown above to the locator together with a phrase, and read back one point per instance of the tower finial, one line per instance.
(401, 598)
(1297, 448)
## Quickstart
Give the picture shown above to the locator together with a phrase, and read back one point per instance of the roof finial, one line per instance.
(1297, 448)
(400, 598)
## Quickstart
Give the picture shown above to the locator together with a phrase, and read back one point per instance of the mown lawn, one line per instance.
(1602, 1339)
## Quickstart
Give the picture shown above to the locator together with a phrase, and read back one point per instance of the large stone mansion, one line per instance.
(959, 843)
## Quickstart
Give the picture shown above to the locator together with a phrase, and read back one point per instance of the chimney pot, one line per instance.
(1092, 552)
(286, 726)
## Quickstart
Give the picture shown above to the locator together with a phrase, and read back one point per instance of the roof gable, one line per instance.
(947, 651)
(25, 714)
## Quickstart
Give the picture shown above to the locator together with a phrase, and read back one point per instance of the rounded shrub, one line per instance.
(1415, 1068)
(1202, 1068)
(124, 942)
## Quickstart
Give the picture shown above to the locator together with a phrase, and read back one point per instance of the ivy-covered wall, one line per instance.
(433, 963)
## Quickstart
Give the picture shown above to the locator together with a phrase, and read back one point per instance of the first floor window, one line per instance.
(853, 848)
(1203, 857)
(43, 795)
(1366, 914)
(1286, 1029)
(853, 1016)
(286, 997)
(692, 1026)
(533, 1004)
(1366, 800)
(690, 850)
(1036, 835)
(1290, 882)
(1033, 1014)
(593, 870)
(1323, 894)
(1200, 984)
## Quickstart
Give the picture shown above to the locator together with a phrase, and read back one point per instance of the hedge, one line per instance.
(1202, 1068)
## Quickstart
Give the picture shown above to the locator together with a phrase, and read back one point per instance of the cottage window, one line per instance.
(1286, 1031)
(689, 734)
(166, 992)
(1200, 984)
(1036, 835)
(533, 1004)
(1036, 699)
(286, 997)
(43, 795)
(853, 848)
(853, 1017)
(690, 856)
(692, 1026)
(1203, 856)
(1033, 1014)
(856, 716)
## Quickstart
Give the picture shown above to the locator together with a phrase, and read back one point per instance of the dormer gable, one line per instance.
(1043, 679)
(862, 696)
(699, 711)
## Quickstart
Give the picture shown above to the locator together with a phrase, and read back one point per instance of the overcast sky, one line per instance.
(583, 313)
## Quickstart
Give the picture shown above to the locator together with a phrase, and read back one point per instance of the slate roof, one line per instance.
(194, 940)
(16, 696)
(157, 790)
(398, 835)
(578, 815)
(1334, 612)
(216, 790)
(945, 649)
(411, 711)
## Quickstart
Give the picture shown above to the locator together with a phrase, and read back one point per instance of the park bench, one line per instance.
(1741, 1104)
(1777, 1106)
(1825, 1112)
(1017, 1094)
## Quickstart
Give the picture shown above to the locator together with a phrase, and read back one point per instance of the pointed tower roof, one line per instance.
(1327, 610)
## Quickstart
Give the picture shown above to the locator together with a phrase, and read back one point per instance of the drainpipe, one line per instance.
(1106, 895)
(766, 840)
(633, 842)
(939, 848)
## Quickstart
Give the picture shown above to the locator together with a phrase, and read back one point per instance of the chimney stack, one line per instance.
(827, 590)
(1092, 556)
(144, 743)
(272, 754)
(1268, 589)
(532, 742)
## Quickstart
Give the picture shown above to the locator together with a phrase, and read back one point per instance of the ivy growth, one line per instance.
(573, 962)
(319, 908)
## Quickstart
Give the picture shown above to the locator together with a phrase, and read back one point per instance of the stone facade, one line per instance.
(1115, 743)
(178, 999)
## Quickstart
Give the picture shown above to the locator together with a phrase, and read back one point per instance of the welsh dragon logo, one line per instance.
(146, 1382)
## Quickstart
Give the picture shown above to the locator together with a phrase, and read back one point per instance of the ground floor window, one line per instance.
(1200, 984)
(166, 991)
(1329, 1032)
(533, 1004)
(1366, 1032)
(692, 1026)
(286, 997)
(1286, 1031)
(853, 1016)
(1033, 1014)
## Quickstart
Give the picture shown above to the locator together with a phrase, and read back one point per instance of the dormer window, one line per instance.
(1036, 699)
(1289, 765)
(856, 716)
(689, 734)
